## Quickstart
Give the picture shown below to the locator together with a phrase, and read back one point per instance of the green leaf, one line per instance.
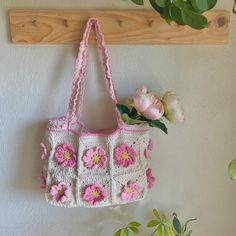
(176, 15)
(134, 229)
(124, 232)
(117, 233)
(164, 11)
(232, 169)
(156, 213)
(193, 19)
(153, 223)
(122, 108)
(177, 225)
(129, 120)
(138, 2)
(168, 232)
(158, 124)
(203, 5)
(162, 3)
(156, 7)
(134, 224)
(133, 112)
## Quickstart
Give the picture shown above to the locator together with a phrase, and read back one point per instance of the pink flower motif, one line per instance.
(95, 158)
(65, 155)
(44, 156)
(60, 192)
(149, 104)
(42, 181)
(130, 191)
(147, 151)
(94, 194)
(150, 178)
(125, 155)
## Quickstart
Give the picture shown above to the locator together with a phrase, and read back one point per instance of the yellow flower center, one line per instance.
(130, 190)
(96, 159)
(67, 155)
(125, 155)
(61, 192)
(95, 194)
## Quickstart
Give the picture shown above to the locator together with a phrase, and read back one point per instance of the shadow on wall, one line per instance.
(26, 179)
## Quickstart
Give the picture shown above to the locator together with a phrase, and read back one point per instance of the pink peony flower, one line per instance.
(44, 156)
(149, 104)
(130, 191)
(94, 194)
(95, 158)
(150, 178)
(65, 155)
(125, 155)
(60, 192)
(147, 151)
(42, 181)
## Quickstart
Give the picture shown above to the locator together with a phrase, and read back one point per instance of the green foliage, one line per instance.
(138, 2)
(131, 116)
(132, 227)
(181, 230)
(232, 169)
(162, 226)
(183, 12)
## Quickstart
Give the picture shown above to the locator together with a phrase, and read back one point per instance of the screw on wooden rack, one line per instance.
(221, 21)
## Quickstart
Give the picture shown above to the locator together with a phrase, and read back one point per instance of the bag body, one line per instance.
(93, 169)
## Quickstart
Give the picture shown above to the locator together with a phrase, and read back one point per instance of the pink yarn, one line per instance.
(44, 155)
(130, 191)
(150, 178)
(125, 155)
(93, 194)
(95, 158)
(65, 155)
(80, 71)
(60, 192)
(42, 181)
(147, 151)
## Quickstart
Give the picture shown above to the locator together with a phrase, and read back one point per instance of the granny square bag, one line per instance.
(93, 169)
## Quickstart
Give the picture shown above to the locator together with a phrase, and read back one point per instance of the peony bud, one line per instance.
(174, 111)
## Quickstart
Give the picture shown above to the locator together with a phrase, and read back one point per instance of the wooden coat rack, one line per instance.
(119, 27)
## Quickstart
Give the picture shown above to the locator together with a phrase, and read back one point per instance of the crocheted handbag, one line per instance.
(93, 169)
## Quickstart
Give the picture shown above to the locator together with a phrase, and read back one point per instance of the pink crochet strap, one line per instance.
(81, 67)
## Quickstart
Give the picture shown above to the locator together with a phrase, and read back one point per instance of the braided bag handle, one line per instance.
(81, 67)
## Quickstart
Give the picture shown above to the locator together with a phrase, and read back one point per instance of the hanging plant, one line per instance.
(183, 12)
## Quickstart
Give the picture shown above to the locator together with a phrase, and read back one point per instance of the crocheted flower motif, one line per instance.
(44, 155)
(130, 191)
(147, 151)
(65, 155)
(125, 155)
(60, 192)
(150, 178)
(95, 158)
(94, 194)
(42, 181)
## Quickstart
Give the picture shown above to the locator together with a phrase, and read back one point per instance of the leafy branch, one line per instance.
(183, 12)
(132, 227)
(161, 224)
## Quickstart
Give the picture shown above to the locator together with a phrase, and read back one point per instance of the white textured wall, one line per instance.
(190, 163)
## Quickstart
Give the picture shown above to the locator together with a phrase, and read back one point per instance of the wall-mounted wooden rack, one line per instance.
(119, 27)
